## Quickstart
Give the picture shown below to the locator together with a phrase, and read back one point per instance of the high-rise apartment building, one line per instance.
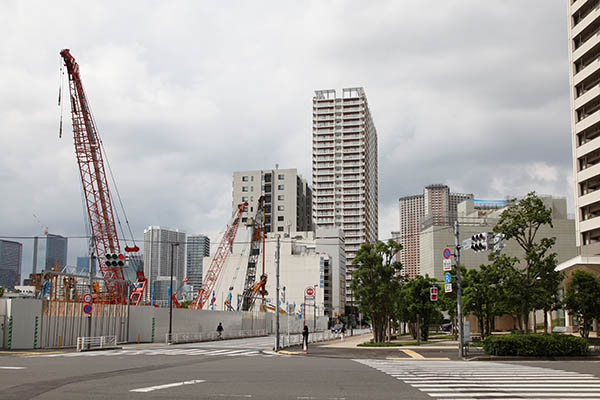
(436, 206)
(198, 247)
(288, 198)
(584, 47)
(11, 254)
(344, 168)
(49, 252)
(159, 244)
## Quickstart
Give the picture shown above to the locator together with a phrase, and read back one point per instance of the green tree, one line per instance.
(376, 283)
(416, 306)
(583, 300)
(2, 290)
(521, 222)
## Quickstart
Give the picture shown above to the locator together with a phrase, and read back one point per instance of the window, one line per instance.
(280, 208)
(281, 177)
(280, 218)
(252, 188)
(244, 179)
(244, 198)
(244, 219)
(280, 229)
(280, 187)
(244, 188)
(280, 197)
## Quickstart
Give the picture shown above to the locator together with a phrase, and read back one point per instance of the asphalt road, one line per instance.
(247, 369)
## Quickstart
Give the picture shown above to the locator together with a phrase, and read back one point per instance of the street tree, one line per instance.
(376, 284)
(416, 306)
(521, 222)
(583, 300)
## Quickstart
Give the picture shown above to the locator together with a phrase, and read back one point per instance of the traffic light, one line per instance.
(479, 242)
(114, 260)
(433, 293)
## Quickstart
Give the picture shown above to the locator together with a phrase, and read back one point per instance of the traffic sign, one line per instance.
(310, 291)
(448, 287)
(448, 277)
(87, 298)
(447, 263)
(87, 309)
(466, 244)
(446, 253)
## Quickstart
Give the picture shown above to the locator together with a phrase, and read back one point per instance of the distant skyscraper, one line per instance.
(11, 254)
(344, 155)
(83, 265)
(288, 198)
(49, 251)
(436, 206)
(198, 246)
(157, 255)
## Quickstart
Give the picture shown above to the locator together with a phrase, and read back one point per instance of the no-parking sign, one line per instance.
(446, 253)
(87, 309)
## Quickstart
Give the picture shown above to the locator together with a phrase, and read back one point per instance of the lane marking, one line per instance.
(12, 367)
(166, 386)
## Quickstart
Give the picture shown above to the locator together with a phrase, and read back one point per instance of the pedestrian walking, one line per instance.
(220, 331)
(305, 339)
(343, 330)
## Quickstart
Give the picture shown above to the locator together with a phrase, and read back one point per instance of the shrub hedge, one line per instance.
(535, 344)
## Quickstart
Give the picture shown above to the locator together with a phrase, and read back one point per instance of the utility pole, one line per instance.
(315, 310)
(277, 296)
(458, 292)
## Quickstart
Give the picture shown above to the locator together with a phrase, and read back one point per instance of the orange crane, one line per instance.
(216, 265)
(90, 159)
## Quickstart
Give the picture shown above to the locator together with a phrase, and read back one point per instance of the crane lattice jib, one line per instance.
(216, 265)
(88, 150)
(257, 232)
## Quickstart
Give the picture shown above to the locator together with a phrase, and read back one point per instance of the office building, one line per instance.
(288, 198)
(158, 247)
(476, 216)
(344, 169)
(436, 206)
(11, 254)
(49, 253)
(198, 247)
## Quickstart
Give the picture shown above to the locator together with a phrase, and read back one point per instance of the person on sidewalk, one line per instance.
(220, 331)
(343, 330)
(305, 339)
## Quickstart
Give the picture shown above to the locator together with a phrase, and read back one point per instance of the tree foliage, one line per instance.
(521, 222)
(583, 300)
(376, 283)
(416, 307)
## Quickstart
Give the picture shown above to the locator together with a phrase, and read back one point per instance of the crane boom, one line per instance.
(208, 282)
(249, 293)
(88, 149)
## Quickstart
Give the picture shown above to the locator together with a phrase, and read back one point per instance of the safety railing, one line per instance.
(315, 337)
(96, 342)
(190, 337)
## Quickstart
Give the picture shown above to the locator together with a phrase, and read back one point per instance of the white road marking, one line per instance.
(166, 386)
(12, 367)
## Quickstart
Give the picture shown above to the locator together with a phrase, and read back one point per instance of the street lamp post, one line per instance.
(171, 295)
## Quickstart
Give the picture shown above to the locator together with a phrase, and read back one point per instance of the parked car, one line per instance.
(447, 327)
(337, 328)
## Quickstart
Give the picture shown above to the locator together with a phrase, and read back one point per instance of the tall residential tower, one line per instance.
(344, 168)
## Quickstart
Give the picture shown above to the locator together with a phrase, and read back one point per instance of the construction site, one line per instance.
(238, 284)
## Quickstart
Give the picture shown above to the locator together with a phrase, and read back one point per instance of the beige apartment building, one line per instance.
(344, 169)
(288, 198)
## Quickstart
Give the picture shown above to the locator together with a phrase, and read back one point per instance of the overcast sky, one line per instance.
(470, 93)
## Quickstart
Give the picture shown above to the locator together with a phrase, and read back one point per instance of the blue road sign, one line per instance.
(87, 309)
(446, 253)
(448, 277)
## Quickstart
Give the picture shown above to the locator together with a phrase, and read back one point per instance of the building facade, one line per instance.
(584, 46)
(11, 255)
(288, 198)
(436, 206)
(49, 252)
(158, 247)
(344, 169)
(198, 247)
(476, 216)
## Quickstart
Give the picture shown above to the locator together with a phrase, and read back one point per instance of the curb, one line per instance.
(524, 358)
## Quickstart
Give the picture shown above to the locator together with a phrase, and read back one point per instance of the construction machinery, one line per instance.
(97, 197)
(216, 265)
(251, 289)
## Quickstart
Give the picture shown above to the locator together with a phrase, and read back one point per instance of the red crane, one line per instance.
(88, 149)
(216, 265)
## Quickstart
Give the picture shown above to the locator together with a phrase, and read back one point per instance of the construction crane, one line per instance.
(251, 288)
(216, 265)
(88, 149)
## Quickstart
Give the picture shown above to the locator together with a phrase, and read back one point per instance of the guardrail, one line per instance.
(96, 342)
(314, 337)
(189, 337)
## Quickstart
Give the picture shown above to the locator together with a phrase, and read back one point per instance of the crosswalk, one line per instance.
(164, 351)
(446, 380)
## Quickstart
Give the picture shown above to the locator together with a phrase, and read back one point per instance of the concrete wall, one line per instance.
(20, 332)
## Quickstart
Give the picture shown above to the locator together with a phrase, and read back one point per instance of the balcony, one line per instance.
(587, 46)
